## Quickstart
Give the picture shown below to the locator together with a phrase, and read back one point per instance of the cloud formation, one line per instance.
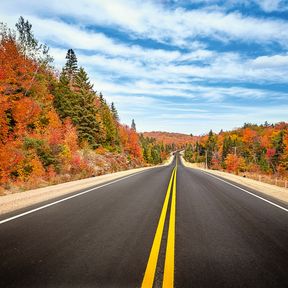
(172, 60)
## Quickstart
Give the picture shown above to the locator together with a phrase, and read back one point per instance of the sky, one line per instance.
(173, 65)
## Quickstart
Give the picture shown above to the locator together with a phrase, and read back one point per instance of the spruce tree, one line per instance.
(210, 147)
(79, 105)
(82, 81)
(110, 126)
(71, 67)
(226, 149)
(102, 100)
(114, 112)
(85, 109)
(133, 125)
(64, 99)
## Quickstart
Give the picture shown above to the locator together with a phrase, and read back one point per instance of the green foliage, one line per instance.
(153, 152)
(102, 100)
(188, 153)
(110, 125)
(114, 112)
(70, 69)
(43, 151)
(227, 149)
(63, 98)
(210, 147)
(278, 143)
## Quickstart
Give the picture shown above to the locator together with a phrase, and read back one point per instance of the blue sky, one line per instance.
(173, 65)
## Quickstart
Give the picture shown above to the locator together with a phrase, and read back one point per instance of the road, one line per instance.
(117, 236)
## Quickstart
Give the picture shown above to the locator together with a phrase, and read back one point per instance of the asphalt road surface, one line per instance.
(166, 226)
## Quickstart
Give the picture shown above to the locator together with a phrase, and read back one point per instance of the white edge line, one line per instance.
(270, 202)
(67, 198)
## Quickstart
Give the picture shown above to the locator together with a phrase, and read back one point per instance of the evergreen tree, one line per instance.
(227, 146)
(109, 123)
(70, 69)
(210, 147)
(82, 81)
(278, 143)
(85, 109)
(64, 99)
(133, 125)
(29, 45)
(114, 112)
(79, 105)
(188, 153)
(102, 100)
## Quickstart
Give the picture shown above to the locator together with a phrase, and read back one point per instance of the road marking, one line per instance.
(67, 198)
(154, 253)
(244, 190)
(168, 278)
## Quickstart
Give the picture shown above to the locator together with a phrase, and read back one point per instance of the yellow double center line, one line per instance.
(168, 277)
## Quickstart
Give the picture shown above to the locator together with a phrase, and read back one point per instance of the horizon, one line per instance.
(174, 66)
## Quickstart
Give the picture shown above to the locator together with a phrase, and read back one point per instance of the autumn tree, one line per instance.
(253, 148)
(49, 125)
(235, 163)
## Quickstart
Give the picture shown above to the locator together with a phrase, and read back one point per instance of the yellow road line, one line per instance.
(168, 278)
(153, 258)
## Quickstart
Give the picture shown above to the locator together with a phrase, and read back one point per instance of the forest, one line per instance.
(251, 149)
(55, 127)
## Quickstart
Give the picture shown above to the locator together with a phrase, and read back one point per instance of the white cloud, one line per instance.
(147, 19)
(166, 87)
(274, 61)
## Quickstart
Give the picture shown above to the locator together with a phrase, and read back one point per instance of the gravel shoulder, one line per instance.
(16, 201)
(274, 191)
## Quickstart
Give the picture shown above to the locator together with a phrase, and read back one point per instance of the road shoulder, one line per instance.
(273, 191)
(17, 201)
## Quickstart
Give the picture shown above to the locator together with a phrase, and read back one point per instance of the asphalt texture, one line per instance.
(224, 236)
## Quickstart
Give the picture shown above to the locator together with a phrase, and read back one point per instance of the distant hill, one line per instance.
(169, 138)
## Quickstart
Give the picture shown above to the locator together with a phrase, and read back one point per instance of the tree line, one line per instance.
(251, 148)
(53, 124)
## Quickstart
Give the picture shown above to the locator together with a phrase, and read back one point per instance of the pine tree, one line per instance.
(133, 125)
(226, 149)
(114, 112)
(210, 147)
(110, 126)
(29, 45)
(85, 109)
(71, 67)
(82, 81)
(79, 105)
(64, 99)
(102, 100)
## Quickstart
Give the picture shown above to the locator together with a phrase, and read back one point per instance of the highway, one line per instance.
(169, 226)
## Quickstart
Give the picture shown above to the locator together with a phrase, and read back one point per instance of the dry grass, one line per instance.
(17, 201)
